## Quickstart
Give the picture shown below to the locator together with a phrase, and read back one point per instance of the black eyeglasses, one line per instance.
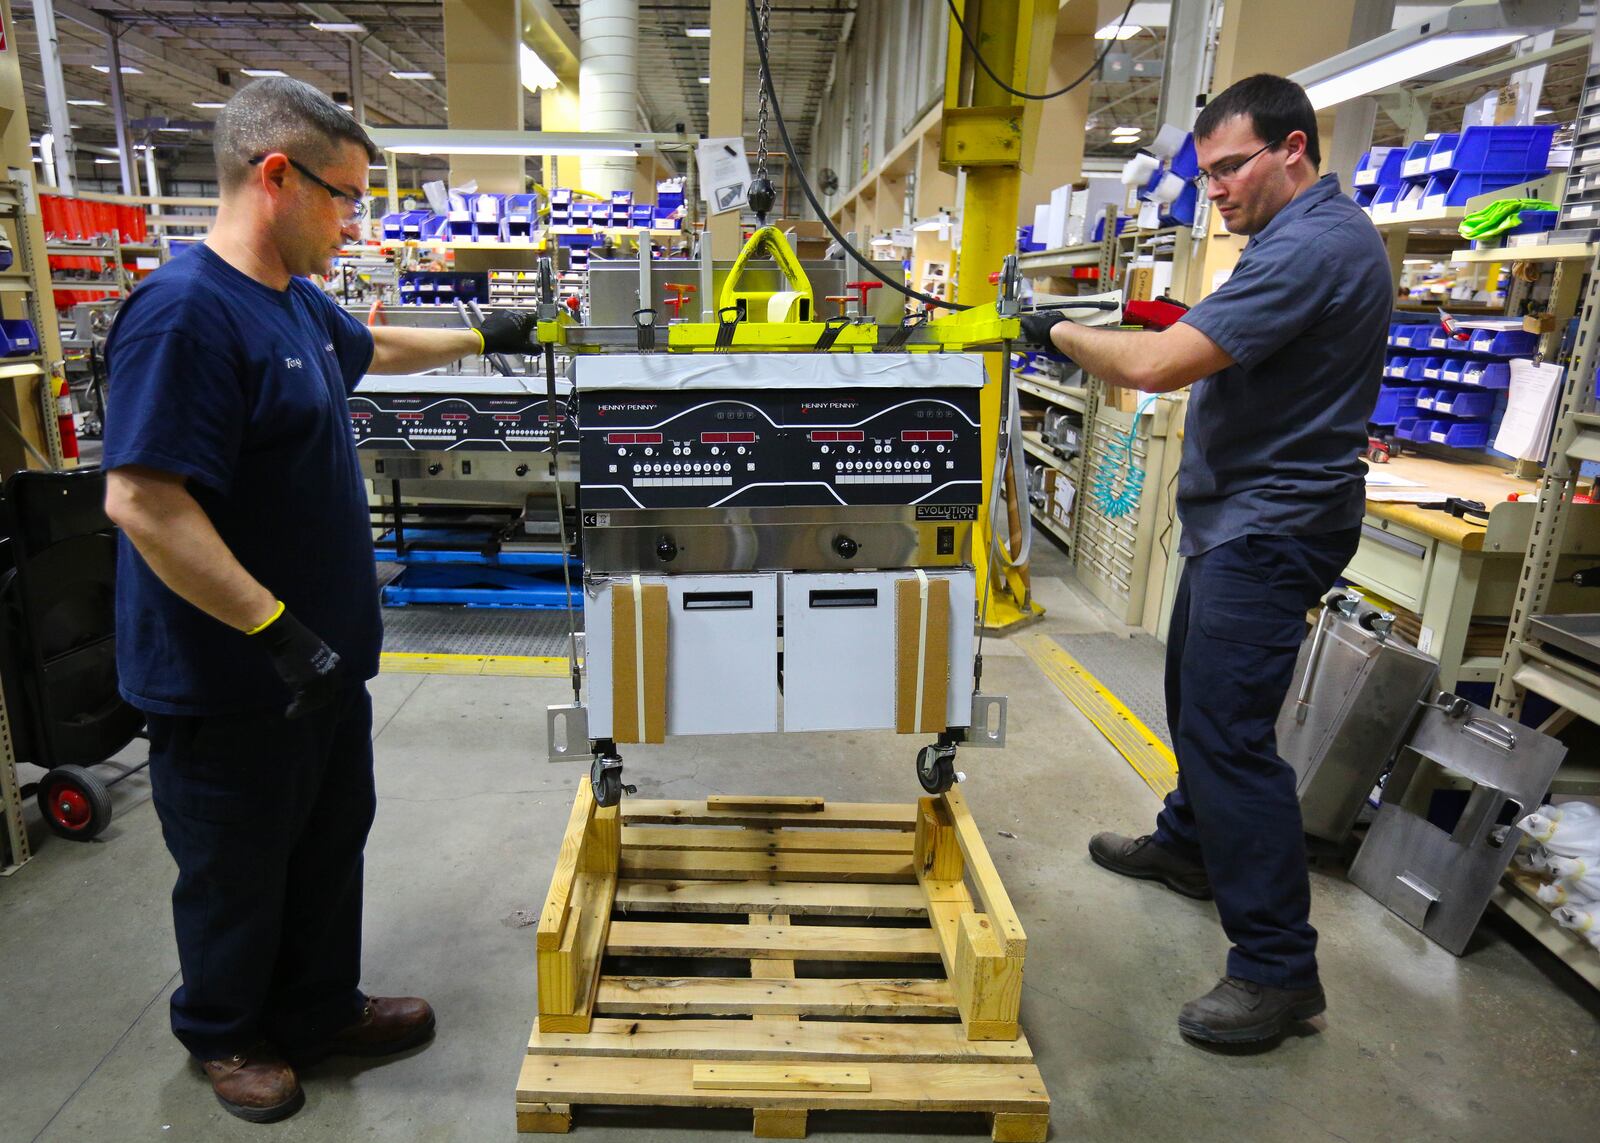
(358, 205)
(1225, 173)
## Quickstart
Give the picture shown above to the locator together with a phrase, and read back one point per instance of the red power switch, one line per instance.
(681, 293)
(863, 288)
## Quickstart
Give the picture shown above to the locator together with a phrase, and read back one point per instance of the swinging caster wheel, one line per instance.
(605, 778)
(74, 802)
(936, 768)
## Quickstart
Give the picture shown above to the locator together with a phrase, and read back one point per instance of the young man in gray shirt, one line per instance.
(1285, 358)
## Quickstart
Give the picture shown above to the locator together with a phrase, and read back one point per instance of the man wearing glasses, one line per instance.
(247, 604)
(1285, 357)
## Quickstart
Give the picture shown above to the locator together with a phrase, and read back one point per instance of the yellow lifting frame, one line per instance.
(991, 134)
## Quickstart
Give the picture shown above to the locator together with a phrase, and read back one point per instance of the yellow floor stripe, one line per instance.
(522, 666)
(1148, 755)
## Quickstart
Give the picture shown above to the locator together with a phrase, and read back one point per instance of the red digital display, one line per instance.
(646, 438)
(851, 435)
(713, 438)
(823, 435)
(453, 417)
(914, 435)
(509, 418)
(547, 418)
(741, 438)
(408, 416)
(619, 438)
(361, 416)
(941, 435)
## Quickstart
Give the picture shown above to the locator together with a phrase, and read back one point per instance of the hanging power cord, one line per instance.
(805, 184)
(1118, 478)
(1006, 87)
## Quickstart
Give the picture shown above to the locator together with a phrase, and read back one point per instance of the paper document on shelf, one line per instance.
(724, 173)
(1499, 325)
(1383, 478)
(1382, 495)
(1530, 410)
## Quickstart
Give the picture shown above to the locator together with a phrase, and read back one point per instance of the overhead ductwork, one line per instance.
(608, 84)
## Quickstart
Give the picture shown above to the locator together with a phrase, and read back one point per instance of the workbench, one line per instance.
(1451, 571)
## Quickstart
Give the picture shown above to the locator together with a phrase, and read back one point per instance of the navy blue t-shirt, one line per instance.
(1272, 442)
(244, 390)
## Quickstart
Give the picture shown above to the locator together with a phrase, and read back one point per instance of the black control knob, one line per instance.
(435, 469)
(522, 470)
(666, 550)
(846, 547)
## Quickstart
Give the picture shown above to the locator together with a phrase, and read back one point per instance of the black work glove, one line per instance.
(508, 331)
(307, 665)
(1036, 327)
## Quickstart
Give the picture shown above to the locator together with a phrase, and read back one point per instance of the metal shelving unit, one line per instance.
(26, 281)
(14, 851)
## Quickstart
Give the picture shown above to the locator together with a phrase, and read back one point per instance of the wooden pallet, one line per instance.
(665, 878)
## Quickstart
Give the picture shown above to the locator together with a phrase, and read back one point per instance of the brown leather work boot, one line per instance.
(388, 1024)
(257, 1086)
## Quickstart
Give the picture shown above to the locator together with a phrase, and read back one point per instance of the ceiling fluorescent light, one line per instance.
(105, 162)
(1462, 31)
(506, 149)
(438, 141)
(536, 74)
(206, 106)
(705, 79)
(698, 33)
(412, 74)
(262, 72)
(87, 102)
(127, 69)
(352, 28)
(1112, 32)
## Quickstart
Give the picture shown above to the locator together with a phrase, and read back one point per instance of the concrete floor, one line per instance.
(1417, 1045)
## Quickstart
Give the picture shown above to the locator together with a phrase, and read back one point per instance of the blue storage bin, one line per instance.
(1467, 185)
(1463, 402)
(1412, 428)
(392, 225)
(1535, 222)
(1456, 434)
(1415, 164)
(1395, 402)
(18, 338)
(1425, 399)
(1486, 374)
(1379, 166)
(1450, 370)
(411, 223)
(1504, 343)
(1514, 150)
(1420, 336)
(433, 225)
(1396, 366)
(1417, 370)
(1441, 157)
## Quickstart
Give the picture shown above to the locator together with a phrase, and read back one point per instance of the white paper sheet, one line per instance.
(1530, 410)
(1382, 478)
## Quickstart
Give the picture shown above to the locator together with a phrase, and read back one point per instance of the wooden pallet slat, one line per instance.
(791, 942)
(707, 996)
(834, 815)
(797, 898)
(876, 868)
(807, 1041)
(772, 839)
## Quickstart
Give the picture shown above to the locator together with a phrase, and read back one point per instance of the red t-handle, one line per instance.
(680, 296)
(863, 288)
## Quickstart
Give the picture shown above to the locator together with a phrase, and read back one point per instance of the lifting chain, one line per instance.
(761, 193)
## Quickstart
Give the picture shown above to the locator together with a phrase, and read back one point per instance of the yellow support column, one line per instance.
(990, 134)
(726, 109)
(483, 83)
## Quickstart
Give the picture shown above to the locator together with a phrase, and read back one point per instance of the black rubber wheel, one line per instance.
(936, 768)
(606, 781)
(74, 802)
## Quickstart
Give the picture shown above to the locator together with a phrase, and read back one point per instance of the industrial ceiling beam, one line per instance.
(377, 48)
(148, 49)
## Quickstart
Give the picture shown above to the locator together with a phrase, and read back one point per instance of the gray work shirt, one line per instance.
(1272, 442)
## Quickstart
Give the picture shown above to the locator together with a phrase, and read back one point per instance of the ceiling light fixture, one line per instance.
(412, 74)
(87, 102)
(439, 141)
(349, 27)
(1113, 32)
(536, 74)
(207, 106)
(698, 33)
(127, 69)
(262, 72)
(106, 162)
(1462, 31)
(705, 79)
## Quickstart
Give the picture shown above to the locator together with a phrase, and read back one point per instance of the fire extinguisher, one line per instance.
(64, 422)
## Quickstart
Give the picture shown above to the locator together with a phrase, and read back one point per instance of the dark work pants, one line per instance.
(1237, 624)
(267, 820)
